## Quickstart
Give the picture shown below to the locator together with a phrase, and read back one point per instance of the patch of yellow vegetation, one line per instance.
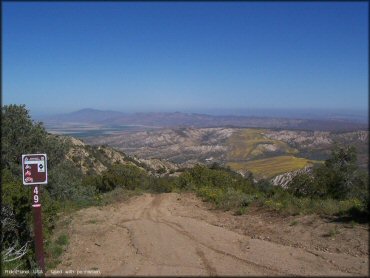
(270, 167)
(249, 143)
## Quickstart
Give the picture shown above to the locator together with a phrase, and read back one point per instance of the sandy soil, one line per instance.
(171, 234)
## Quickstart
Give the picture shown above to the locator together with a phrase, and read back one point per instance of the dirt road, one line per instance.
(165, 235)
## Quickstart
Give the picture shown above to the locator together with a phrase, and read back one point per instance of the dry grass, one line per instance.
(270, 167)
(251, 143)
(249, 148)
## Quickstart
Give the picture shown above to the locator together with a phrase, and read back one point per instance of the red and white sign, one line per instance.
(34, 169)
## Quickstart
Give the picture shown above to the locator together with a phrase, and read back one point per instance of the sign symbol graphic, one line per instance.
(28, 179)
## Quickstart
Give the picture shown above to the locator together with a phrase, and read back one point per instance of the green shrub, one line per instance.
(21, 135)
(161, 170)
(62, 240)
(276, 205)
(226, 198)
(17, 211)
(332, 232)
(56, 251)
(241, 211)
(293, 223)
(264, 185)
(161, 184)
(303, 185)
(210, 194)
(230, 198)
(202, 176)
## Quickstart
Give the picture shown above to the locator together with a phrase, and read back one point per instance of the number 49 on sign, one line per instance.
(36, 196)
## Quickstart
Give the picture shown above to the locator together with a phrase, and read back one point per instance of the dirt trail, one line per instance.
(161, 235)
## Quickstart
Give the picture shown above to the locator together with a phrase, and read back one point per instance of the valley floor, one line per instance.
(178, 234)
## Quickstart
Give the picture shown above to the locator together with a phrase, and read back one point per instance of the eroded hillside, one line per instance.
(186, 146)
(264, 152)
(96, 159)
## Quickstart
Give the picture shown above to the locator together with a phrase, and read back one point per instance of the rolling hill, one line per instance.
(243, 149)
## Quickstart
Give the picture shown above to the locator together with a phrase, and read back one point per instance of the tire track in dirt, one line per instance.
(144, 237)
(152, 213)
(183, 232)
(210, 269)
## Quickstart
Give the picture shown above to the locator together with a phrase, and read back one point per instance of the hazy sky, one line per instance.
(60, 57)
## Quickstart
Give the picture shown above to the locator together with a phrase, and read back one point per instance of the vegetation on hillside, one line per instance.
(21, 135)
(337, 186)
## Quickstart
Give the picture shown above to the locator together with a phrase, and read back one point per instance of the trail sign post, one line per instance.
(35, 172)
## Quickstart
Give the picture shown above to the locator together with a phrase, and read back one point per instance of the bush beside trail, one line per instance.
(337, 187)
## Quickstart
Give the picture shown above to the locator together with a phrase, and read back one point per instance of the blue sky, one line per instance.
(60, 57)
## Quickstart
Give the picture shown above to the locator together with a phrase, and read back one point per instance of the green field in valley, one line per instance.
(272, 166)
(249, 143)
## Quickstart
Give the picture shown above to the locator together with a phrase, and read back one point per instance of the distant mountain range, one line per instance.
(178, 119)
(87, 115)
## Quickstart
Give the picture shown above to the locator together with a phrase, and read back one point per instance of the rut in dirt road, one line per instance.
(146, 237)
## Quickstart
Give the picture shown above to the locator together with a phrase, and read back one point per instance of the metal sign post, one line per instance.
(34, 169)
(37, 220)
